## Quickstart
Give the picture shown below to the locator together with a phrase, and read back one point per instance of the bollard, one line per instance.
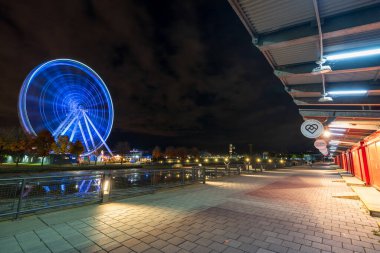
(204, 175)
(106, 187)
(183, 176)
(153, 175)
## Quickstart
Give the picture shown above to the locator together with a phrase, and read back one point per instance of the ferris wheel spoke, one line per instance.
(83, 136)
(68, 126)
(88, 130)
(97, 132)
(63, 123)
(74, 130)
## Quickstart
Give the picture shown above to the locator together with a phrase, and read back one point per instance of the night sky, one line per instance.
(181, 73)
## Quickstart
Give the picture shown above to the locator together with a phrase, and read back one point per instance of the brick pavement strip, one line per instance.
(287, 210)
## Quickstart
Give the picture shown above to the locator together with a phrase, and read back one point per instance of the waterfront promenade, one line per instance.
(285, 210)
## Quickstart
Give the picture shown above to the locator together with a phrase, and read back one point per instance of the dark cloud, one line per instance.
(179, 72)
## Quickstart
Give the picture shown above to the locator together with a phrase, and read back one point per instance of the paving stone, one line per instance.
(187, 245)
(292, 245)
(141, 247)
(201, 249)
(307, 249)
(232, 250)
(321, 246)
(170, 249)
(91, 249)
(159, 244)
(248, 248)
(9, 245)
(261, 250)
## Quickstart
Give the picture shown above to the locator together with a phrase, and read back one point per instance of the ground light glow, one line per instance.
(356, 54)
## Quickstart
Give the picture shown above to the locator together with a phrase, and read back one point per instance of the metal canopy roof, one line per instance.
(287, 33)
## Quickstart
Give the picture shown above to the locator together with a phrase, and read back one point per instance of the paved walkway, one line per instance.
(288, 210)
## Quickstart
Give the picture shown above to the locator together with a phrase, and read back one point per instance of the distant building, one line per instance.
(136, 155)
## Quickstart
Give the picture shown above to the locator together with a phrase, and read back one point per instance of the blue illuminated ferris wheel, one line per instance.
(67, 97)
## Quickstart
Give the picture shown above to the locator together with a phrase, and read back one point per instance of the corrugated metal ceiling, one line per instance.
(309, 51)
(261, 13)
(295, 54)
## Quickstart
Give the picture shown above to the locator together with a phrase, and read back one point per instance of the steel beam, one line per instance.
(283, 74)
(341, 65)
(359, 21)
(340, 113)
(340, 101)
(313, 87)
(355, 126)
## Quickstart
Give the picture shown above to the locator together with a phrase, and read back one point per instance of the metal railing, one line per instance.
(32, 194)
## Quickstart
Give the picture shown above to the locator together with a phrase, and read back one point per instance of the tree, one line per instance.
(156, 153)
(17, 143)
(4, 142)
(62, 145)
(170, 152)
(42, 144)
(122, 148)
(194, 152)
(76, 148)
(181, 152)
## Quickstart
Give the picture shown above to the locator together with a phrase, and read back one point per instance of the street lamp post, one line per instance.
(227, 164)
(258, 160)
(247, 163)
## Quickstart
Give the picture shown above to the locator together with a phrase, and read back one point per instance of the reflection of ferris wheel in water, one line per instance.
(67, 97)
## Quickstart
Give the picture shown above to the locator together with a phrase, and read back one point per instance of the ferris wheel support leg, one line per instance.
(96, 131)
(74, 130)
(89, 131)
(56, 131)
(68, 126)
(83, 136)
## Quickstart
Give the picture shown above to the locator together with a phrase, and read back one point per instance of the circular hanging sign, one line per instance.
(320, 144)
(312, 128)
